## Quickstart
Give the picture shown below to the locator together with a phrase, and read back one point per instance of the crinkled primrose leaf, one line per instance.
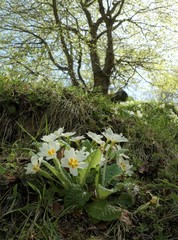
(112, 171)
(93, 160)
(103, 211)
(103, 192)
(75, 196)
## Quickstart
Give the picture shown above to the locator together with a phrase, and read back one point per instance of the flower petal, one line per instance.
(74, 171)
(82, 165)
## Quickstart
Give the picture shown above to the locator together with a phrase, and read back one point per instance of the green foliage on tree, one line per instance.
(167, 85)
(88, 43)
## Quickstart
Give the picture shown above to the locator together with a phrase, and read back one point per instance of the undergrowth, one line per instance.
(31, 110)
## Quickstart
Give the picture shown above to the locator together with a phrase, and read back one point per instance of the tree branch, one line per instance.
(64, 45)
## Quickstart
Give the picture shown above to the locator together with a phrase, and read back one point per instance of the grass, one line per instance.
(30, 208)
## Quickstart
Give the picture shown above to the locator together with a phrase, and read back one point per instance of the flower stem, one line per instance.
(62, 176)
(104, 173)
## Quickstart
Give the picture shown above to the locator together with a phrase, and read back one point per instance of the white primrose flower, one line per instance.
(48, 150)
(114, 137)
(59, 132)
(125, 165)
(74, 160)
(131, 112)
(83, 151)
(49, 138)
(96, 137)
(68, 134)
(34, 166)
(139, 114)
(76, 139)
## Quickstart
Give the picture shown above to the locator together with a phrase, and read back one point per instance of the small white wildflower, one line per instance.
(83, 151)
(76, 139)
(49, 138)
(131, 112)
(49, 150)
(34, 166)
(74, 160)
(68, 134)
(59, 132)
(125, 165)
(139, 114)
(114, 137)
(96, 137)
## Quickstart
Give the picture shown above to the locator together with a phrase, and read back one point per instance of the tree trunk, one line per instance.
(101, 83)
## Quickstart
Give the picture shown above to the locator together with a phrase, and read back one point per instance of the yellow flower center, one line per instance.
(51, 152)
(36, 168)
(73, 163)
(123, 166)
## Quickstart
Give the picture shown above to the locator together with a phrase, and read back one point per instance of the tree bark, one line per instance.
(101, 83)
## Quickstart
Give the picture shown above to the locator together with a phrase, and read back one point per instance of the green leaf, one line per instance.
(116, 153)
(120, 186)
(103, 192)
(143, 207)
(93, 160)
(35, 189)
(76, 196)
(126, 200)
(2, 170)
(103, 211)
(52, 169)
(59, 174)
(112, 171)
(87, 144)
